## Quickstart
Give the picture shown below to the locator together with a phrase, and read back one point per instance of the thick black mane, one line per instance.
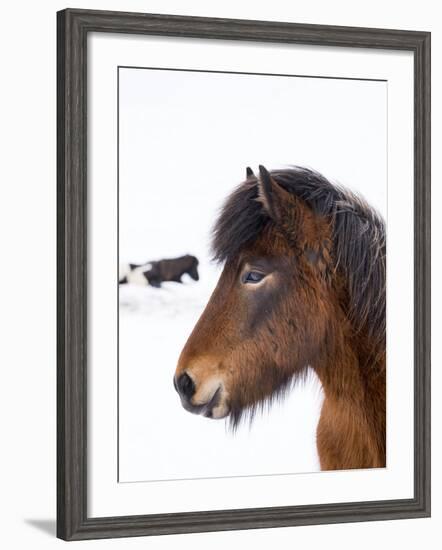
(359, 240)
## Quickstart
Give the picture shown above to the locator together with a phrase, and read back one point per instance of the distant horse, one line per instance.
(156, 272)
(303, 285)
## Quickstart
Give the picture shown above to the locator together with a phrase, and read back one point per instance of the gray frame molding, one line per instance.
(72, 28)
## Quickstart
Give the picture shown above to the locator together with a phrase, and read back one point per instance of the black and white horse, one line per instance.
(156, 272)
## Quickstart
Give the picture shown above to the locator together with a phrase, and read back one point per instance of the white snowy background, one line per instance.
(185, 141)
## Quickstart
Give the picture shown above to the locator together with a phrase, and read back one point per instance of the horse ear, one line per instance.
(303, 229)
(249, 173)
(276, 200)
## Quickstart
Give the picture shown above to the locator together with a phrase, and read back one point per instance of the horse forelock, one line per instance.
(358, 235)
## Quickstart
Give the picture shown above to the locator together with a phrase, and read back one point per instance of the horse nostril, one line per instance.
(185, 386)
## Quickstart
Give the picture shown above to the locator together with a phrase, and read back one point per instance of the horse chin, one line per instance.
(219, 411)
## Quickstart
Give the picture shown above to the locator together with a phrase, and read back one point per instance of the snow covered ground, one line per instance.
(158, 438)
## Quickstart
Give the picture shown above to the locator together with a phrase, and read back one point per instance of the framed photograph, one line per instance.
(243, 274)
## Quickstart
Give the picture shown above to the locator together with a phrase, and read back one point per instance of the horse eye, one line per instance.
(253, 277)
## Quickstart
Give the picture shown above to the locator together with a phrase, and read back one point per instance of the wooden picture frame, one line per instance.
(73, 27)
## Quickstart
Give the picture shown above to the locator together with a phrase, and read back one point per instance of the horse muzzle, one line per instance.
(210, 402)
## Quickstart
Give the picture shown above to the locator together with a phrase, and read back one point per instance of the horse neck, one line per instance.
(351, 430)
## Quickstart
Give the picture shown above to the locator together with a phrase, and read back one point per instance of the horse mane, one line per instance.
(358, 234)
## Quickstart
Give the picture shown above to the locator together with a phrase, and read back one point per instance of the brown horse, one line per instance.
(303, 285)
